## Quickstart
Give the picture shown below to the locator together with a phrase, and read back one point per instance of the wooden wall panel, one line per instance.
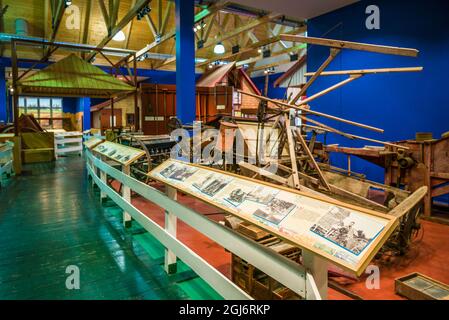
(159, 105)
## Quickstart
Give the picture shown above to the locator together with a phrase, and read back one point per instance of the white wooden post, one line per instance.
(126, 193)
(170, 226)
(103, 178)
(318, 268)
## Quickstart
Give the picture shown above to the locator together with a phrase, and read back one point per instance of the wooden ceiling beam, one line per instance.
(85, 33)
(159, 16)
(339, 44)
(168, 10)
(251, 49)
(152, 26)
(274, 54)
(130, 28)
(209, 27)
(234, 33)
(104, 13)
(198, 17)
(57, 14)
(114, 6)
(125, 20)
(266, 66)
(253, 24)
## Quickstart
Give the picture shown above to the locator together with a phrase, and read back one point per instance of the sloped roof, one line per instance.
(211, 79)
(73, 76)
(216, 76)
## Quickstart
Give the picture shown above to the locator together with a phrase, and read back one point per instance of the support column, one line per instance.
(185, 61)
(317, 267)
(86, 113)
(3, 104)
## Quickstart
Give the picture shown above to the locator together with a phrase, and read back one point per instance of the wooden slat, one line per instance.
(409, 203)
(365, 71)
(352, 45)
(321, 114)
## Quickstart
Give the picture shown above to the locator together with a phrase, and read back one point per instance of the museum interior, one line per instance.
(224, 150)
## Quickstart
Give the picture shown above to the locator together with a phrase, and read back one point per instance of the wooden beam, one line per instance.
(166, 17)
(126, 19)
(409, 203)
(130, 28)
(333, 53)
(339, 44)
(151, 25)
(198, 17)
(46, 16)
(113, 13)
(439, 191)
(274, 64)
(365, 71)
(85, 33)
(312, 159)
(251, 49)
(317, 113)
(159, 16)
(332, 88)
(209, 27)
(291, 151)
(274, 54)
(253, 24)
(57, 15)
(263, 172)
(221, 26)
(351, 136)
(104, 12)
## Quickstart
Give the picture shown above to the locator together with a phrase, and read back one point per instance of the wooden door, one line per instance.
(105, 118)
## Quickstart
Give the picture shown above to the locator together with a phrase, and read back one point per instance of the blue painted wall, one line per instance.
(402, 104)
(274, 93)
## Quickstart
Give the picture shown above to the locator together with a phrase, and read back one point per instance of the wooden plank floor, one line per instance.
(50, 218)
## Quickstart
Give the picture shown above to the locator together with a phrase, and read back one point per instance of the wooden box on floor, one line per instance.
(253, 281)
(38, 147)
(417, 286)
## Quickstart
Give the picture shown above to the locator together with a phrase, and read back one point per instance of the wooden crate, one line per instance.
(253, 281)
(417, 286)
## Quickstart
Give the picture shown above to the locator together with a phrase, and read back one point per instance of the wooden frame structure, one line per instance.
(15, 42)
(335, 48)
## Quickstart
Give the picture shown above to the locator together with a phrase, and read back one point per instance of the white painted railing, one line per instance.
(6, 160)
(285, 271)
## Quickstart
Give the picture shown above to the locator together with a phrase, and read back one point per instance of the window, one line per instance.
(47, 111)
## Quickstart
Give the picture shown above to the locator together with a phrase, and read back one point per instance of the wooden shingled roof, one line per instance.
(72, 77)
(215, 77)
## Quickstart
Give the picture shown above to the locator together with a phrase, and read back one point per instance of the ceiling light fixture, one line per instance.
(119, 36)
(219, 48)
(68, 3)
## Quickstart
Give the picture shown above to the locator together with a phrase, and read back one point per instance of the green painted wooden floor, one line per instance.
(50, 218)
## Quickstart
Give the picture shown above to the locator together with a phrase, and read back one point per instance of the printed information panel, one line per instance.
(343, 234)
(92, 142)
(118, 152)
